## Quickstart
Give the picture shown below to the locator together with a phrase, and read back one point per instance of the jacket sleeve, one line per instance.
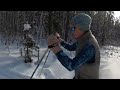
(69, 47)
(86, 55)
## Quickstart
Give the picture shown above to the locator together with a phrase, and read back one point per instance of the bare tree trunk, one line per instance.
(67, 25)
(40, 27)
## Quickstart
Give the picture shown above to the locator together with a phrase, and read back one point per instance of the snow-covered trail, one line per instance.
(53, 69)
(12, 66)
(110, 63)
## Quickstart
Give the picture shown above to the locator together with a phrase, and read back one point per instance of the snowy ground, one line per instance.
(110, 63)
(12, 66)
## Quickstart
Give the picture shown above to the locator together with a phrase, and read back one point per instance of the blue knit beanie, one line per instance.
(83, 21)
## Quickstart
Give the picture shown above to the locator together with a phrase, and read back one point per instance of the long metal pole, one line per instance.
(44, 63)
(38, 65)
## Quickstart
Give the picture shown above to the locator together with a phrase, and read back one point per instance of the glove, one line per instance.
(53, 44)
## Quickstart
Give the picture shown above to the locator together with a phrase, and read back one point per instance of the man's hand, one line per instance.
(56, 49)
(53, 44)
(58, 36)
(52, 40)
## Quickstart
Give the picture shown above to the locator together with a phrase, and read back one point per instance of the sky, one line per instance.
(117, 13)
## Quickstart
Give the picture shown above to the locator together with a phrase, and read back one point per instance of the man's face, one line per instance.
(77, 33)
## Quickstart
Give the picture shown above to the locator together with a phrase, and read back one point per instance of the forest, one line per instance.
(105, 26)
(44, 64)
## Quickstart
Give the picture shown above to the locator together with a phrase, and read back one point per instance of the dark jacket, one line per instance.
(87, 60)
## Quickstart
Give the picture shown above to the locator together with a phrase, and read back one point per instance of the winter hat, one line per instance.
(83, 21)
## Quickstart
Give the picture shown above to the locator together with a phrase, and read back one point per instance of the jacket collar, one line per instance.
(85, 37)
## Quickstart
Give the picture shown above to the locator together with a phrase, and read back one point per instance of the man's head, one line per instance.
(81, 23)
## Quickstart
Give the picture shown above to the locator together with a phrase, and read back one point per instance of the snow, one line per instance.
(110, 63)
(53, 69)
(12, 65)
(56, 70)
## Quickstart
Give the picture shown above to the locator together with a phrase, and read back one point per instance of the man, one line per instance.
(87, 60)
